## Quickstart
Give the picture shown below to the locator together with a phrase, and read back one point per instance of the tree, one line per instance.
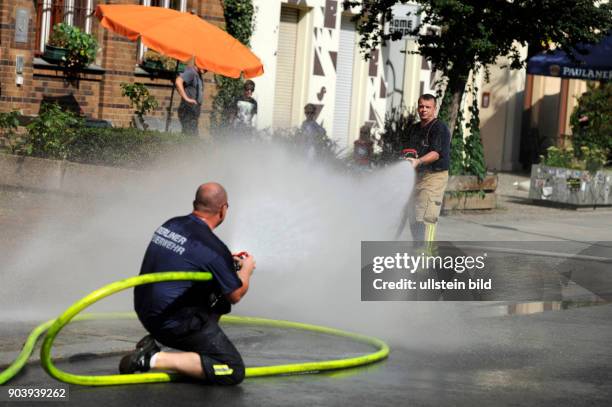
(476, 32)
(592, 119)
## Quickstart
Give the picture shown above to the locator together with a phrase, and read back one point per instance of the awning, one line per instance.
(592, 62)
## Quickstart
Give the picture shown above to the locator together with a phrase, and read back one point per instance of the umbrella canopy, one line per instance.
(181, 36)
(593, 62)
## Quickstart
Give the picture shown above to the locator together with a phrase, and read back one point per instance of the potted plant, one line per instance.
(57, 46)
(572, 177)
(470, 186)
(155, 62)
(71, 47)
(575, 176)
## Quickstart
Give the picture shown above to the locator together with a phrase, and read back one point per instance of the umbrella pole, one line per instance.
(169, 116)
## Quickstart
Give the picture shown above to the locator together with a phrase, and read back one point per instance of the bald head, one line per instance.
(210, 198)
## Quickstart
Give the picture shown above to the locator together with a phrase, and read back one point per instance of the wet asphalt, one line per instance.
(553, 353)
(554, 358)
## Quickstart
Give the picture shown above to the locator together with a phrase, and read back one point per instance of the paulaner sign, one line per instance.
(584, 73)
(589, 62)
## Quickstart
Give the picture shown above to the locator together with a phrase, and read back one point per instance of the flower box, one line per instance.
(158, 67)
(54, 55)
(570, 187)
(463, 192)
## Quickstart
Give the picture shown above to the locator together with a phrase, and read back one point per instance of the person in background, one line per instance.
(191, 88)
(313, 134)
(363, 147)
(246, 108)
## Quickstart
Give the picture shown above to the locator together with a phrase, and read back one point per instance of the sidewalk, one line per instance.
(518, 218)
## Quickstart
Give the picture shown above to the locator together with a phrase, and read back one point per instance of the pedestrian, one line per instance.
(246, 108)
(191, 88)
(430, 138)
(184, 315)
(363, 147)
(312, 133)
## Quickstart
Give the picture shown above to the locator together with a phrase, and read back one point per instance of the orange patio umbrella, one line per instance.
(181, 36)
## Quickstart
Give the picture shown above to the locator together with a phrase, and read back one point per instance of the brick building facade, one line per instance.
(25, 26)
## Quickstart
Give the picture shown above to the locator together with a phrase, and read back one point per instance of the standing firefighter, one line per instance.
(431, 139)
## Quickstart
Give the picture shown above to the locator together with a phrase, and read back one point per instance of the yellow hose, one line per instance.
(53, 327)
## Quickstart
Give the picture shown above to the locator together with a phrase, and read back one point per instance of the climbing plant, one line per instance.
(474, 152)
(239, 22)
(457, 164)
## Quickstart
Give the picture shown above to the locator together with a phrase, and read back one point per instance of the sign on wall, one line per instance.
(405, 19)
(22, 20)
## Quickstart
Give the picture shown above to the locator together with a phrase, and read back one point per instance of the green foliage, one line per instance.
(457, 153)
(326, 151)
(9, 122)
(589, 159)
(165, 63)
(472, 32)
(140, 98)
(594, 158)
(50, 134)
(394, 137)
(124, 147)
(559, 157)
(224, 102)
(81, 47)
(57, 134)
(322, 145)
(592, 119)
(444, 112)
(239, 20)
(474, 152)
(59, 36)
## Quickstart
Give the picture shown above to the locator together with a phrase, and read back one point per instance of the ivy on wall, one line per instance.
(239, 19)
(457, 164)
(467, 156)
(239, 23)
(474, 151)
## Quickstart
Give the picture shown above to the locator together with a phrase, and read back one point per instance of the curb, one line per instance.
(62, 176)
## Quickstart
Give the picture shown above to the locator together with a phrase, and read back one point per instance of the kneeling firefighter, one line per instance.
(184, 315)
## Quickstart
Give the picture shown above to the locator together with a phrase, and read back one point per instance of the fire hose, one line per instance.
(54, 326)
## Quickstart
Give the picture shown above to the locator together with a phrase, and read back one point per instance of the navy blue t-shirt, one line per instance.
(434, 136)
(184, 243)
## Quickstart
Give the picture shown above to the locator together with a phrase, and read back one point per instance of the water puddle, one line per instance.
(529, 308)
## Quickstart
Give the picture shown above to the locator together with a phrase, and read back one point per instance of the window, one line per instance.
(50, 12)
(179, 5)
